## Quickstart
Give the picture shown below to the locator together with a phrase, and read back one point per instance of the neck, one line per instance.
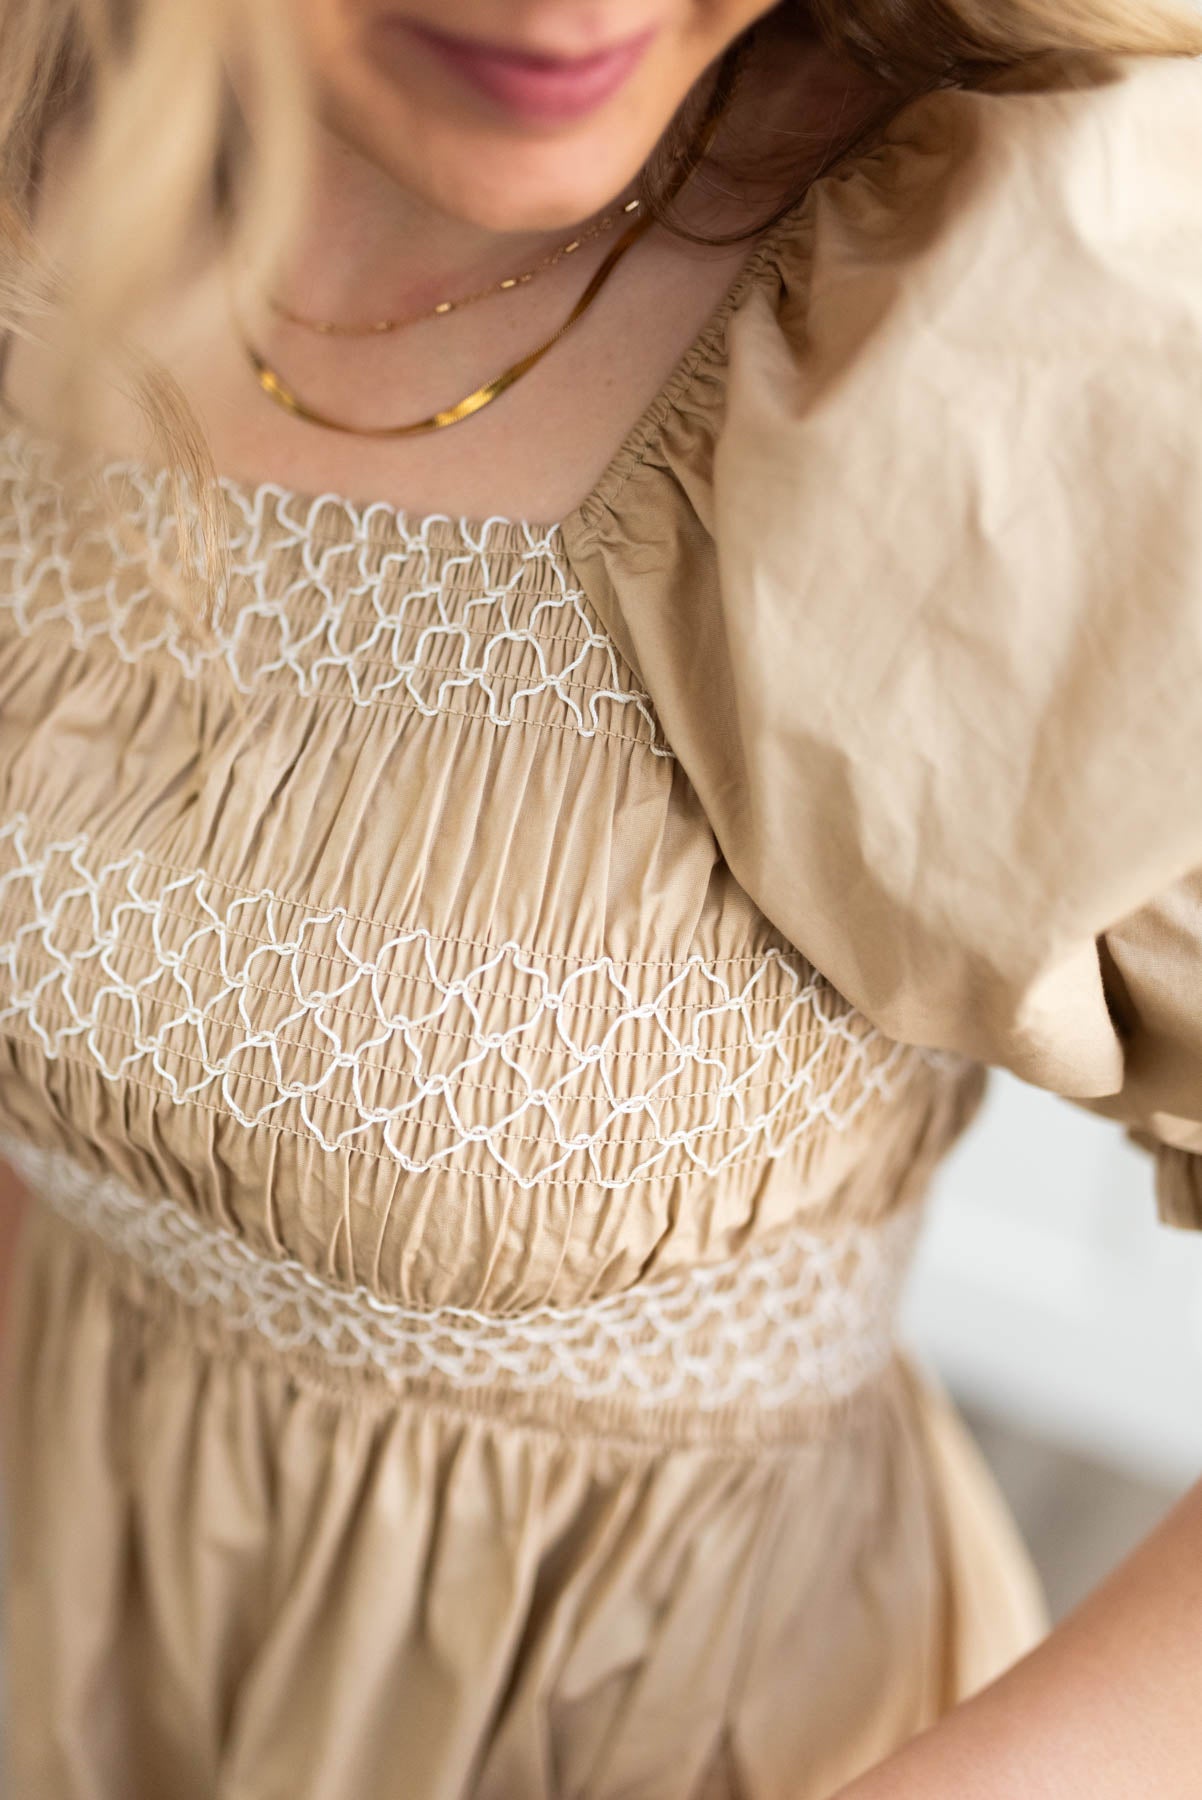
(366, 245)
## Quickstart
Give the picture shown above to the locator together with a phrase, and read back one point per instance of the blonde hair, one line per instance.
(209, 84)
(918, 42)
(161, 72)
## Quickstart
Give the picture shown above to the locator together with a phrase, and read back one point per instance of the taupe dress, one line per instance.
(479, 1027)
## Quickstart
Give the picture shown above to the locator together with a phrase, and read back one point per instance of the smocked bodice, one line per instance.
(374, 941)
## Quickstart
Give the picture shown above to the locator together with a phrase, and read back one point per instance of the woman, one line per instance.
(481, 998)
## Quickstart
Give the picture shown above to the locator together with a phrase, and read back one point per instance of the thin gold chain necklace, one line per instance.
(283, 395)
(588, 234)
(277, 389)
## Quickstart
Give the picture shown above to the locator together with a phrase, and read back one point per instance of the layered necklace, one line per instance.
(284, 395)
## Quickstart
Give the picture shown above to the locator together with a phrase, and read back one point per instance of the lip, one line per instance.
(528, 84)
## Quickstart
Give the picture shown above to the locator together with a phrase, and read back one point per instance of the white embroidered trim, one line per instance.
(418, 1048)
(355, 602)
(812, 1318)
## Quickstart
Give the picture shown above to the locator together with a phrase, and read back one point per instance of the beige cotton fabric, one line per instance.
(932, 683)
(480, 1028)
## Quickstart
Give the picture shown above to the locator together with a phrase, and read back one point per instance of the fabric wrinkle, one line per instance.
(480, 1089)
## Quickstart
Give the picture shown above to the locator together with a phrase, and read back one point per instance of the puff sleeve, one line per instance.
(913, 571)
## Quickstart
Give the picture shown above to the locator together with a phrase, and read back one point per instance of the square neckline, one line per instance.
(375, 519)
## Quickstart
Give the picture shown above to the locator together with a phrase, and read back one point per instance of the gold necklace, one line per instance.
(278, 390)
(443, 309)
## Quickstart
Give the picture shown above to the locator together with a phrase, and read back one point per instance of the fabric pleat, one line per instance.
(479, 1024)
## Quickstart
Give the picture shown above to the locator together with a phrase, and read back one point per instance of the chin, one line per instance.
(503, 183)
(519, 204)
(497, 175)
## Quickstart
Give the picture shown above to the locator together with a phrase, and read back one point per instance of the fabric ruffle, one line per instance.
(249, 1586)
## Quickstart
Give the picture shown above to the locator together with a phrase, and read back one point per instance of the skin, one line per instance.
(419, 188)
(461, 155)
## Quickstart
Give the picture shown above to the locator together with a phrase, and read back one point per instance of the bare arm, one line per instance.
(1109, 1707)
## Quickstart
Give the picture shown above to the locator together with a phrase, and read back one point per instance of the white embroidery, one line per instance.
(334, 599)
(810, 1318)
(430, 1051)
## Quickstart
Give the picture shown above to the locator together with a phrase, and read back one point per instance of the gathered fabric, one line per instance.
(464, 1275)
(479, 1025)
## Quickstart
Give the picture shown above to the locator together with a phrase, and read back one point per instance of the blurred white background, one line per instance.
(1068, 1322)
